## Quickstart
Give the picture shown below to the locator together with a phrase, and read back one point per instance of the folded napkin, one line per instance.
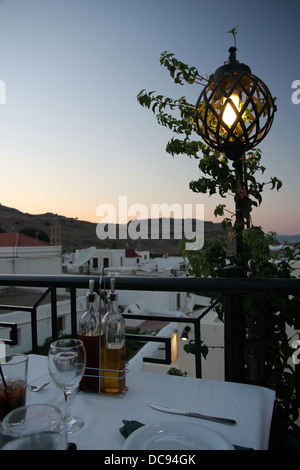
(131, 426)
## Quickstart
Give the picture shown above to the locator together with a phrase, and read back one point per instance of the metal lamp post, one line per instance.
(234, 112)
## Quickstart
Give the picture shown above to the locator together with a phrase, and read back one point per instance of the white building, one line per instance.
(121, 262)
(22, 254)
(92, 260)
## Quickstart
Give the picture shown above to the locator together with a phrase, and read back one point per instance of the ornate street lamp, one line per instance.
(234, 112)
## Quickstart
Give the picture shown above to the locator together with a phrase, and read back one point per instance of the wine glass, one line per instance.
(66, 363)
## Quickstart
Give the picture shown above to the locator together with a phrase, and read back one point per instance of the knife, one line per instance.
(166, 409)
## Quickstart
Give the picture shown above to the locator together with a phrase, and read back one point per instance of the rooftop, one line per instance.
(19, 239)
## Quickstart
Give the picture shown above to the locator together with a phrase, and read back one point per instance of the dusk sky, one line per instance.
(72, 134)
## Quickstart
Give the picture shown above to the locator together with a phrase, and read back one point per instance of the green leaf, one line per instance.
(219, 210)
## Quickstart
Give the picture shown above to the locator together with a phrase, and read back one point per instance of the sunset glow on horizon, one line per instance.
(72, 134)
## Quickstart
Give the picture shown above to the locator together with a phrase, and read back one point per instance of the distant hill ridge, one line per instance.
(79, 234)
(289, 238)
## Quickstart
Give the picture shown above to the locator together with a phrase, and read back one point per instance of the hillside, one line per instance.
(78, 234)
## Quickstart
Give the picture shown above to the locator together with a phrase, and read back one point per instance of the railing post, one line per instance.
(73, 312)
(198, 356)
(54, 313)
(34, 330)
(234, 330)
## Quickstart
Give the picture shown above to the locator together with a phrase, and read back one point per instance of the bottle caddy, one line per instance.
(105, 370)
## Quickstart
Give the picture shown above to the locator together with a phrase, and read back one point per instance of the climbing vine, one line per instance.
(217, 177)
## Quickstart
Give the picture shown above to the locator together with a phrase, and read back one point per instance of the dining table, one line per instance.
(104, 416)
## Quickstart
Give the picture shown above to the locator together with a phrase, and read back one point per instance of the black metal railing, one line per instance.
(229, 289)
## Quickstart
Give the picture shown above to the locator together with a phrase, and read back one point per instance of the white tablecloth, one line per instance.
(250, 406)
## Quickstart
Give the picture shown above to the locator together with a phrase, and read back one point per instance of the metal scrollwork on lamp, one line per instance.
(235, 110)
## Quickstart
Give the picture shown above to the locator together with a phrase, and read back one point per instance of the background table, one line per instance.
(250, 406)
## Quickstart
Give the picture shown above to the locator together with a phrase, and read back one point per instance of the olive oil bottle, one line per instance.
(113, 348)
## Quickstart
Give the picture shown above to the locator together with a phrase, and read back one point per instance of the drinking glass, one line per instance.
(13, 382)
(34, 427)
(66, 363)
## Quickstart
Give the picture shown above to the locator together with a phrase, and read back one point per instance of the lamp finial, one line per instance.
(232, 55)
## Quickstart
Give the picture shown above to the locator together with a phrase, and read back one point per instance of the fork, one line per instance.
(36, 388)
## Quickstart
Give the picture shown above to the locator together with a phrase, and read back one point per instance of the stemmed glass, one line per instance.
(66, 363)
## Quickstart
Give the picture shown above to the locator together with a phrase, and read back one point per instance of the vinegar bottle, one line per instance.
(90, 335)
(113, 348)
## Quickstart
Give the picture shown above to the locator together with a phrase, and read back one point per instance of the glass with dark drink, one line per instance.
(13, 382)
